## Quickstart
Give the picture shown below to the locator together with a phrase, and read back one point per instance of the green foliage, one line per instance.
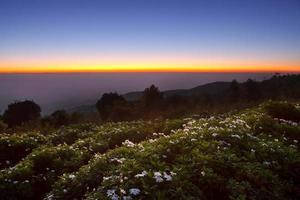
(14, 147)
(246, 155)
(283, 110)
(66, 151)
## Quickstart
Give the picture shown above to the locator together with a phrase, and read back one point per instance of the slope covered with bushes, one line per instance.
(253, 154)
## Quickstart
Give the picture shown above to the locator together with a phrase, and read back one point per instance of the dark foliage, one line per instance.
(234, 91)
(253, 90)
(283, 110)
(152, 97)
(153, 104)
(60, 117)
(21, 112)
(107, 104)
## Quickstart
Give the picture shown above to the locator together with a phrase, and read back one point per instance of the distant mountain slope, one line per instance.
(83, 109)
(215, 88)
(210, 88)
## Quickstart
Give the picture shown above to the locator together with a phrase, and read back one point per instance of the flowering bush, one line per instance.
(14, 147)
(33, 176)
(247, 155)
(283, 110)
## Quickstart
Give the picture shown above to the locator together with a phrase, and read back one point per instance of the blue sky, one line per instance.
(253, 30)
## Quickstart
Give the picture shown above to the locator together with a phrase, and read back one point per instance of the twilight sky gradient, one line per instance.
(153, 35)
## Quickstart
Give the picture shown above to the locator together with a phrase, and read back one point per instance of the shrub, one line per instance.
(3, 126)
(17, 146)
(21, 112)
(283, 110)
(246, 155)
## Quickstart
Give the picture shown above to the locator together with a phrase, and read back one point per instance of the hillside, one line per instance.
(217, 94)
(210, 89)
(215, 88)
(252, 154)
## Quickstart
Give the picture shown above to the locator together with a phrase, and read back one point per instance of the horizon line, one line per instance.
(144, 71)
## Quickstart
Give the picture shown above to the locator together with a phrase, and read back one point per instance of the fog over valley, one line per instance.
(67, 90)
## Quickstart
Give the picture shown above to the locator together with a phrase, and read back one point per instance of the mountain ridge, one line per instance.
(213, 88)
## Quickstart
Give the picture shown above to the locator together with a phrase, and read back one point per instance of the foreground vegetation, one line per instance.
(252, 154)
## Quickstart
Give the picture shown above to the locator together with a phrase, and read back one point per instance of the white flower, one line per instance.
(134, 191)
(158, 177)
(65, 190)
(236, 136)
(144, 173)
(203, 173)
(112, 194)
(173, 173)
(71, 176)
(266, 163)
(114, 197)
(122, 191)
(167, 177)
(128, 143)
(152, 140)
(215, 134)
(157, 174)
(105, 178)
(121, 160)
(193, 140)
(50, 196)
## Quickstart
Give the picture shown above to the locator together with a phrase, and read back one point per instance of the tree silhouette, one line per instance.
(106, 103)
(59, 118)
(234, 91)
(152, 97)
(21, 112)
(253, 91)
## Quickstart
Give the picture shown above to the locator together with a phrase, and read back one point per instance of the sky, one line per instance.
(149, 35)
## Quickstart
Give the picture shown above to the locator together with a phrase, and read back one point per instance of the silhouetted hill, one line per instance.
(215, 88)
(83, 109)
(278, 87)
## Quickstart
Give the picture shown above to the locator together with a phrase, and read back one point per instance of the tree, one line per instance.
(59, 118)
(106, 103)
(21, 112)
(234, 91)
(253, 92)
(152, 97)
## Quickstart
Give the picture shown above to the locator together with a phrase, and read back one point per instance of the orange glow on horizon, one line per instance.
(143, 64)
(151, 69)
